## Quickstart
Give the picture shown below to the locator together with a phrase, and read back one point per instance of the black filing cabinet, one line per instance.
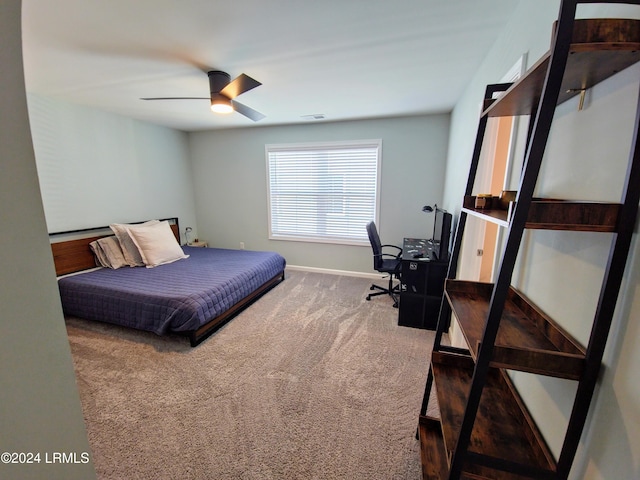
(422, 285)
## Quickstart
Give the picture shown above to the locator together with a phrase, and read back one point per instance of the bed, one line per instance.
(192, 296)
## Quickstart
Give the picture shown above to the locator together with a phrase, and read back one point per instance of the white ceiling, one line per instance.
(345, 59)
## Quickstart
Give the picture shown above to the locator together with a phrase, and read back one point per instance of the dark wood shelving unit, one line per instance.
(527, 339)
(552, 214)
(518, 442)
(484, 429)
(432, 452)
(599, 49)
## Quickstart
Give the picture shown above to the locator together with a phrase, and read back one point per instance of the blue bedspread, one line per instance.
(178, 297)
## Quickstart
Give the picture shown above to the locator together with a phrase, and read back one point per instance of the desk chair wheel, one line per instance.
(392, 292)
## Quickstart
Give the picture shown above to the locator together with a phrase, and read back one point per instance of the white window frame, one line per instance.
(356, 236)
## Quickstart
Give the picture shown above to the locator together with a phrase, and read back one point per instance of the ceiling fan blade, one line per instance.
(241, 84)
(247, 111)
(176, 98)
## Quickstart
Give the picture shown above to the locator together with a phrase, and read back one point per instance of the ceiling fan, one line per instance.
(223, 94)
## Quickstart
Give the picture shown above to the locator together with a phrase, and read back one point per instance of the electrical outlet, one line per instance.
(241, 245)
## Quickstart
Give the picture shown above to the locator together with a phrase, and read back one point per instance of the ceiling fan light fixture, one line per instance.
(221, 104)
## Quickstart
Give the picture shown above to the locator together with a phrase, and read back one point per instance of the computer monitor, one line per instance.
(441, 234)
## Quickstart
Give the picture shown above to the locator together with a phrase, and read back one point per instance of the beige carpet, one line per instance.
(310, 382)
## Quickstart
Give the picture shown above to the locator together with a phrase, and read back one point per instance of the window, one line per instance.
(323, 192)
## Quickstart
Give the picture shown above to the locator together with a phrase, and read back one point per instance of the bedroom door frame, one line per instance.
(482, 244)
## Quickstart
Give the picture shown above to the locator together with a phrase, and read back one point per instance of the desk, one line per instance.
(422, 285)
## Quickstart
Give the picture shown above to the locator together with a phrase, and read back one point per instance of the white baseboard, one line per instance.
(329, 271)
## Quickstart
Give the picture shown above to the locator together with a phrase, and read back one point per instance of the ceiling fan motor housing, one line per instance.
(217, 81)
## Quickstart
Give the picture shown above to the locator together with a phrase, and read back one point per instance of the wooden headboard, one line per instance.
(75, 255)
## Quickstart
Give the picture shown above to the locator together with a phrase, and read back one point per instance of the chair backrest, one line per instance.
(376, 245)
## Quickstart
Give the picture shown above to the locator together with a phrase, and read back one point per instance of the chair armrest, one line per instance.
(397, 255)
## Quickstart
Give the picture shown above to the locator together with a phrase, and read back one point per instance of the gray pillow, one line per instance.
(108, 253)
(129, 248)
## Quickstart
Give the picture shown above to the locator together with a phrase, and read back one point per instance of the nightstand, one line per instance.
(199, 243)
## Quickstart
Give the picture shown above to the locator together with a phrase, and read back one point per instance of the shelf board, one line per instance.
(552, 214)
(432, 453)
(434, 458)
(527, 339)
(503, 434)
(600, 48)
(496, 216)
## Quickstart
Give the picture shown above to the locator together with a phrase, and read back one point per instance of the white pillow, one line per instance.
(108, 252)
(129, 249)
(157, 244)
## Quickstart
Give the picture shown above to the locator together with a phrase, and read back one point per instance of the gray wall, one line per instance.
(562, 271)
(40, 409)
(229, 168)
(96, 168)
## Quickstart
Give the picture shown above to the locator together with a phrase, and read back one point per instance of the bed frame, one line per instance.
(72, 256)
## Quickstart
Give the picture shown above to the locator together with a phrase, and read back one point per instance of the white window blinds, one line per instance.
(323, 192)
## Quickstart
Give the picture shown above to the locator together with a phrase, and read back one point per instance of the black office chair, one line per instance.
(384, 263)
